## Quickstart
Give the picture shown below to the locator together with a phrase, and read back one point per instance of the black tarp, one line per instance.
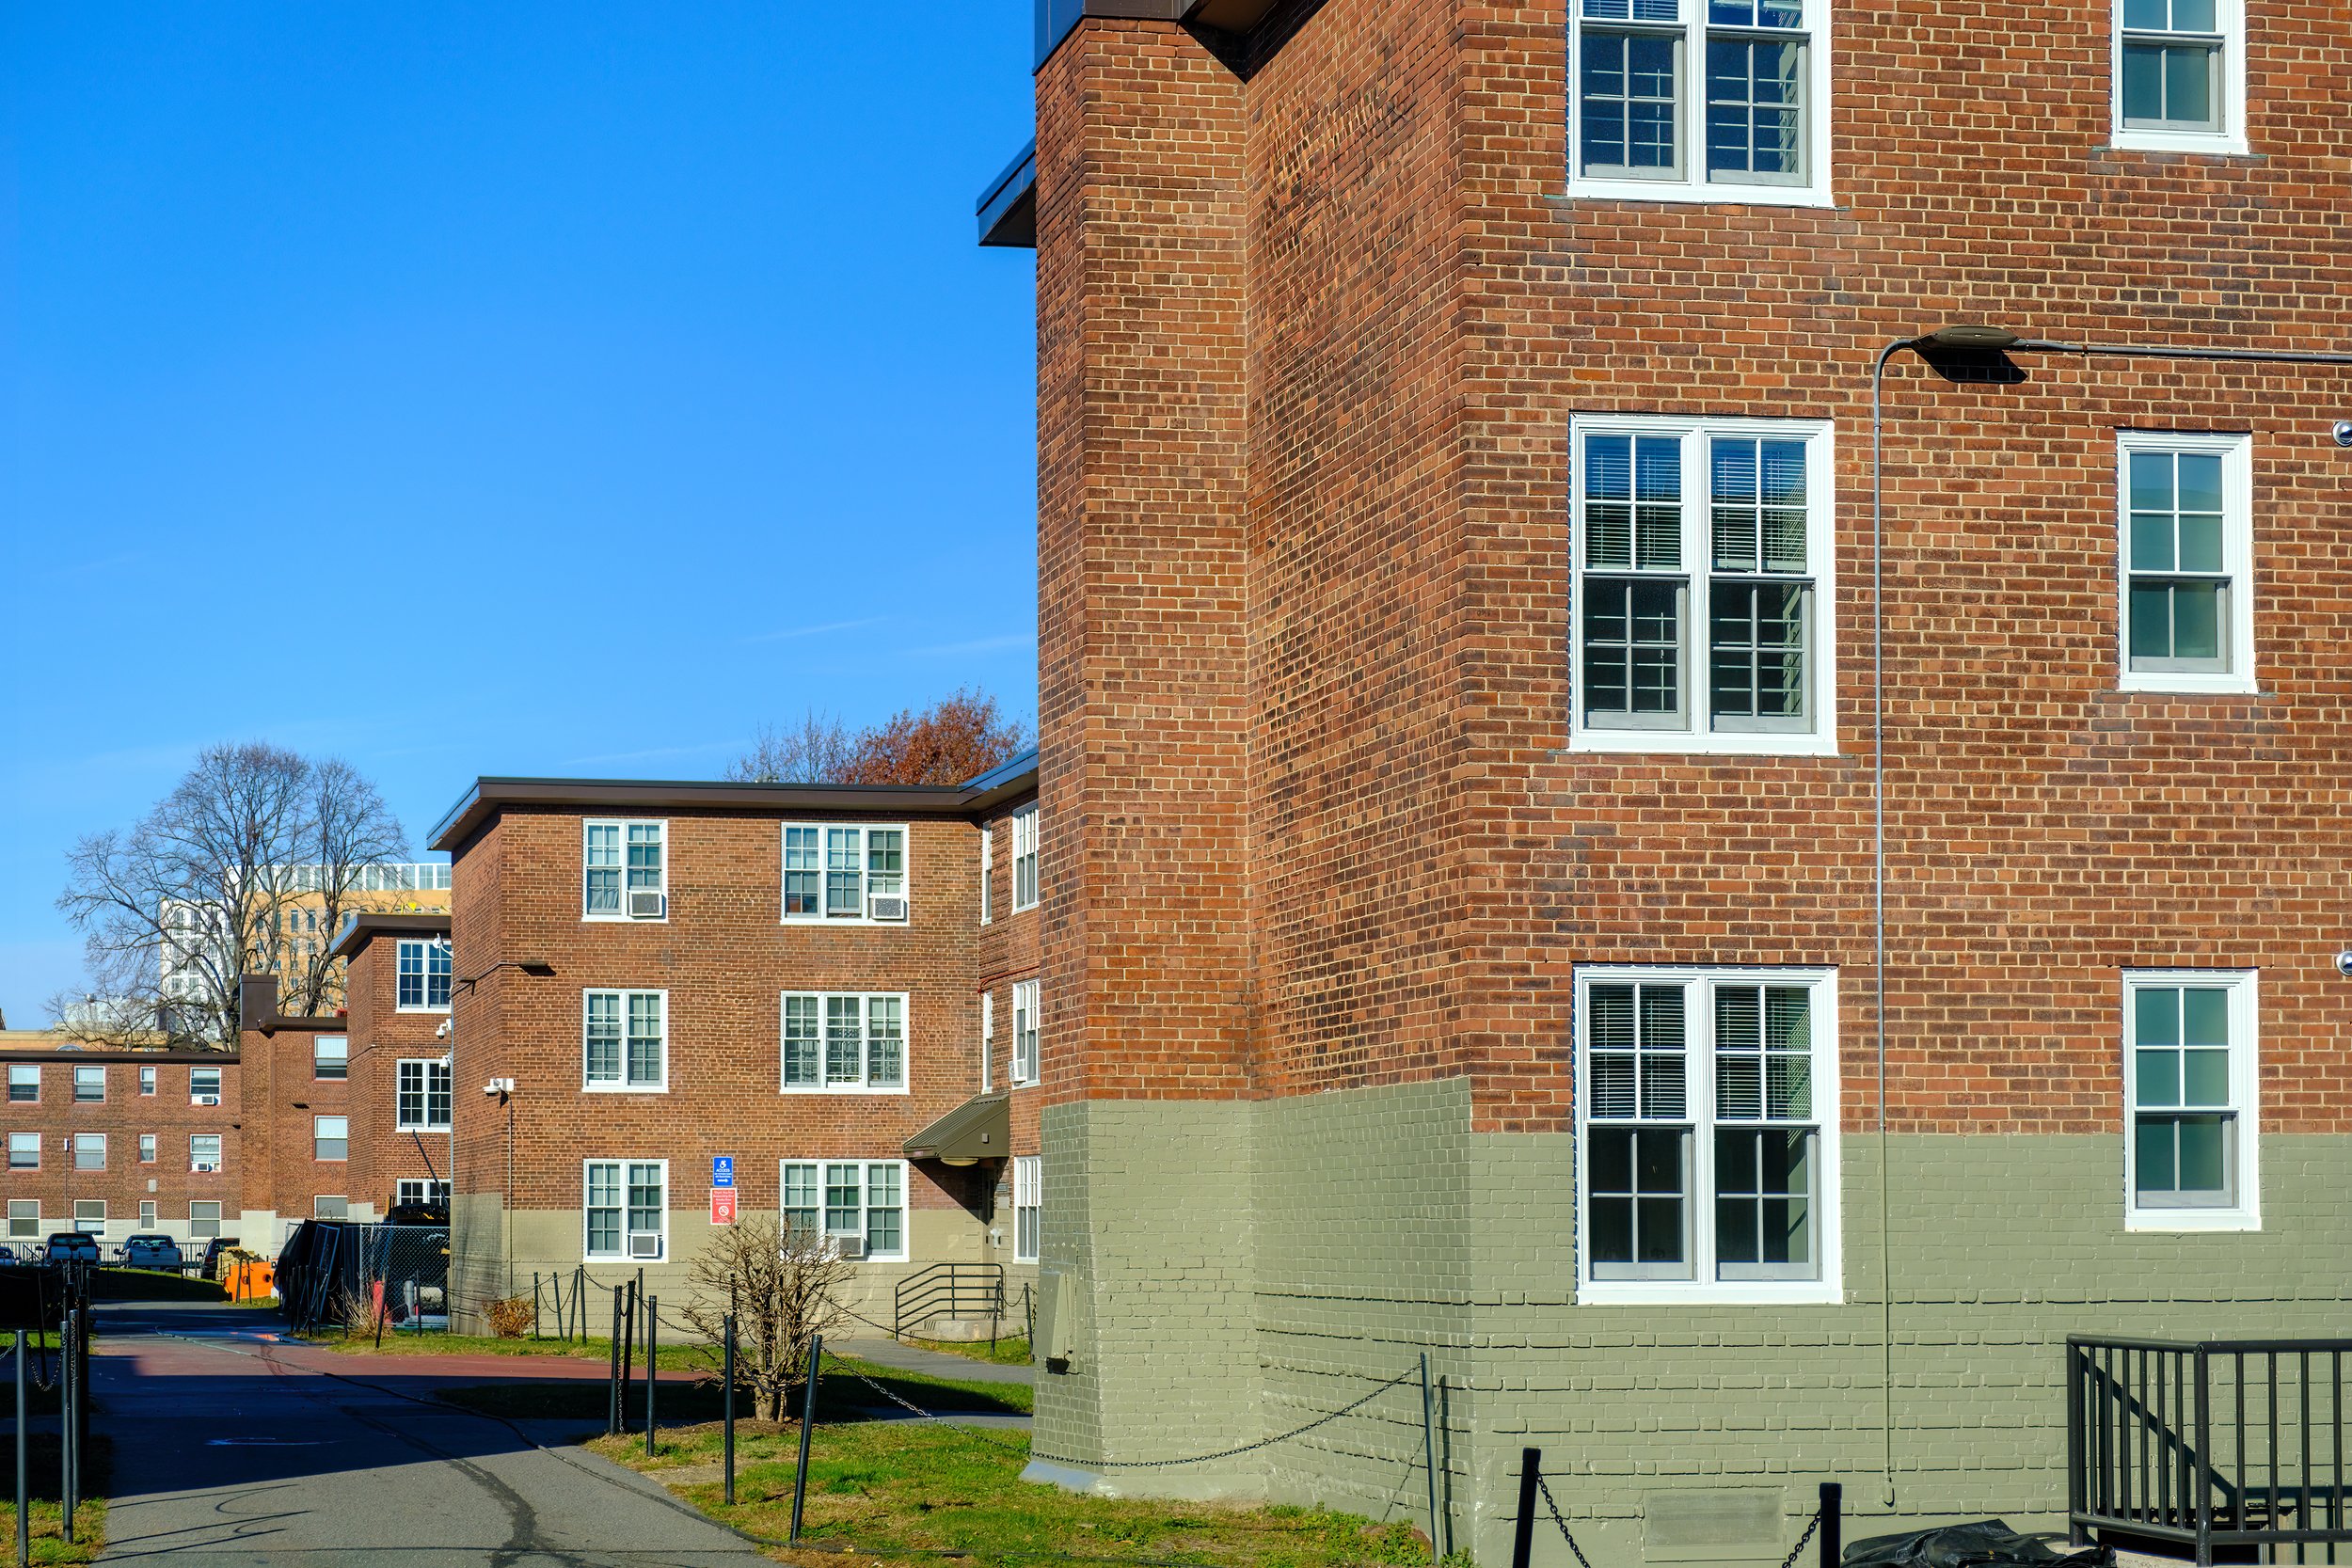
(1985, 1543)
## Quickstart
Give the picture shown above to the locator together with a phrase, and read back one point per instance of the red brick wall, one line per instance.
(1309, 723)
(724, 956)
(1006, 951)
(123, 1117)
(381, 1035)
(278, 1099)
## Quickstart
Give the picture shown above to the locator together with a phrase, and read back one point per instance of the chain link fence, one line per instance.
(371, 1277)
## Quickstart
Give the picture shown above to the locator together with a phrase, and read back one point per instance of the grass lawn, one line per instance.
(90, 1519)
(1005, 1353)
(895, 1490)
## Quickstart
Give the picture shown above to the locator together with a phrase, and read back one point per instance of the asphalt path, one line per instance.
(235, 1450)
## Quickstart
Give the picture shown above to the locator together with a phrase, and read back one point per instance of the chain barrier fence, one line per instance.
(1826, 1523)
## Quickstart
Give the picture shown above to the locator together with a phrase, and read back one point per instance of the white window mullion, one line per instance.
(1698, 560)
(1698, 1014)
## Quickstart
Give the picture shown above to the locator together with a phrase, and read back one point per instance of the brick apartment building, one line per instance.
(652, 979)
(293, 1124)
(397, 1095)
(1465, 675)
(116, 1141)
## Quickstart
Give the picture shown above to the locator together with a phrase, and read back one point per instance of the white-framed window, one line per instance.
(626, 870)
(147, 1148)
(421, 1095)
(24, 1151)
(1025, 858)
(424, 965)
(626, 1041)
(90, 1084)
(988, 873)
(203, 1086)
(1025, 1029)
(1703, 600)
(330, 1208)
(146, 1080)
(865, 1198)
(147, 1214)
(836, 871)
(90, 1151)
(204, 1151)
(330, 1137)
(330, 1054)
(1707, 1134)
(1028, 1202)
(988, 1040)
(23, 1086)
(413, 1189)
(2186, 513)
(203, 1220)
(2190, 1100)
(627, 1209)
(836, 1041)
(1700, 101)
(2179, 74)
(23, 1218)
(89, 1213)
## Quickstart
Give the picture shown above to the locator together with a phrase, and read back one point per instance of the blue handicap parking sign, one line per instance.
(722, 1170)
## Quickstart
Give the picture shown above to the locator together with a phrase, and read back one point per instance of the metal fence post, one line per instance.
(23, 1446)
(628, 1351)
(1429, 1454)
(808, 1419)
(65, 1417)
(727, 1407)
(1833, 1526)
(653, 1364)
(1523, 1527)
(612, 1370)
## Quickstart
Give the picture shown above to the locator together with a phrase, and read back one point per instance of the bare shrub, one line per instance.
(778, 1282)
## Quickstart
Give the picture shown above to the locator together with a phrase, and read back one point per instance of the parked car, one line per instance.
(71, 1247)
(213, 1251)
(151, 1252)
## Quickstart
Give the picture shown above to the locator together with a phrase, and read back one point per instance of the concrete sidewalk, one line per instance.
(913, 1358)
(232, 1449)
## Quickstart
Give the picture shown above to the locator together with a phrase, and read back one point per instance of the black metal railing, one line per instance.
(2205, 1444)
(949, 1291)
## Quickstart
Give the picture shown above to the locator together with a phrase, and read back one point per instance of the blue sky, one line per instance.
(493, 389)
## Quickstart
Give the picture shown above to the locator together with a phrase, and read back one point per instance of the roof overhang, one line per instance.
(979, 1129)
(360, 927)
(1007, 211)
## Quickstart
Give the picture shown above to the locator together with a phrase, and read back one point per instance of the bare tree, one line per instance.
(778, 1281)
(813, 751)
(195, 895)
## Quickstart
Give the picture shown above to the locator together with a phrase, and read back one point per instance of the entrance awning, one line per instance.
(979, 1129)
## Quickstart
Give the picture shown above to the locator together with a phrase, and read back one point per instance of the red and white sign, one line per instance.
(722, 1205)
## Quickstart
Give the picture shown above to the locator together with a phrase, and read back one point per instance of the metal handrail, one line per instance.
(2200, 1443)
(946, 1287)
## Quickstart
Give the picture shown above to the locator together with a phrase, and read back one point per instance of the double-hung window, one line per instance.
(90, 1151)
(627, 1212)
(2187, 555)
(417, 1189)
(204, 1151)
(1702, 601)
(24, 1151)
(422, 1096)
(203, 1086)
(1025, 858)
(90, 1084)
(2180, 74)
(23, 1218)
(1700, 101)
(626, 870)
(988, 872)
(23, 1086)
(203, 1220)
(841, 1040)
(860, 1198)
(330, 1056)
(1707, 1113)
(627, 1044)
(147, 1148)
(1025, 1029)
(988, 1040)
(423, 965)
(2189, 1077)
(146, 1080)
(837, 871)
(1028, 1201)
(330, 1137)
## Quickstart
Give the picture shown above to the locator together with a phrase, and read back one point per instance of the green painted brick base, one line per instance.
(1241, 1268)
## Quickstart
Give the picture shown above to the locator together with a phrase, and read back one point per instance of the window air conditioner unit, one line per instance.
(850, 1249)
(206, 1168)
(646, 906)
(888, 905)
(645, 1244)
(204, 1100)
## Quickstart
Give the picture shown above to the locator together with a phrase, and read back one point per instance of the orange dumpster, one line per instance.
(250, 1281)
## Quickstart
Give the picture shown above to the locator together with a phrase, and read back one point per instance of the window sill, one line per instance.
(627, 919)
(622, 1257)
(2190, 1221)
(2205, 143)
(662, 1087)
(1688, 195)
(1683, 743)
(805, 921)
(2154, 683)
(1685, 1293)
(442, 1009)
(854, 1090)
(418, 1127)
